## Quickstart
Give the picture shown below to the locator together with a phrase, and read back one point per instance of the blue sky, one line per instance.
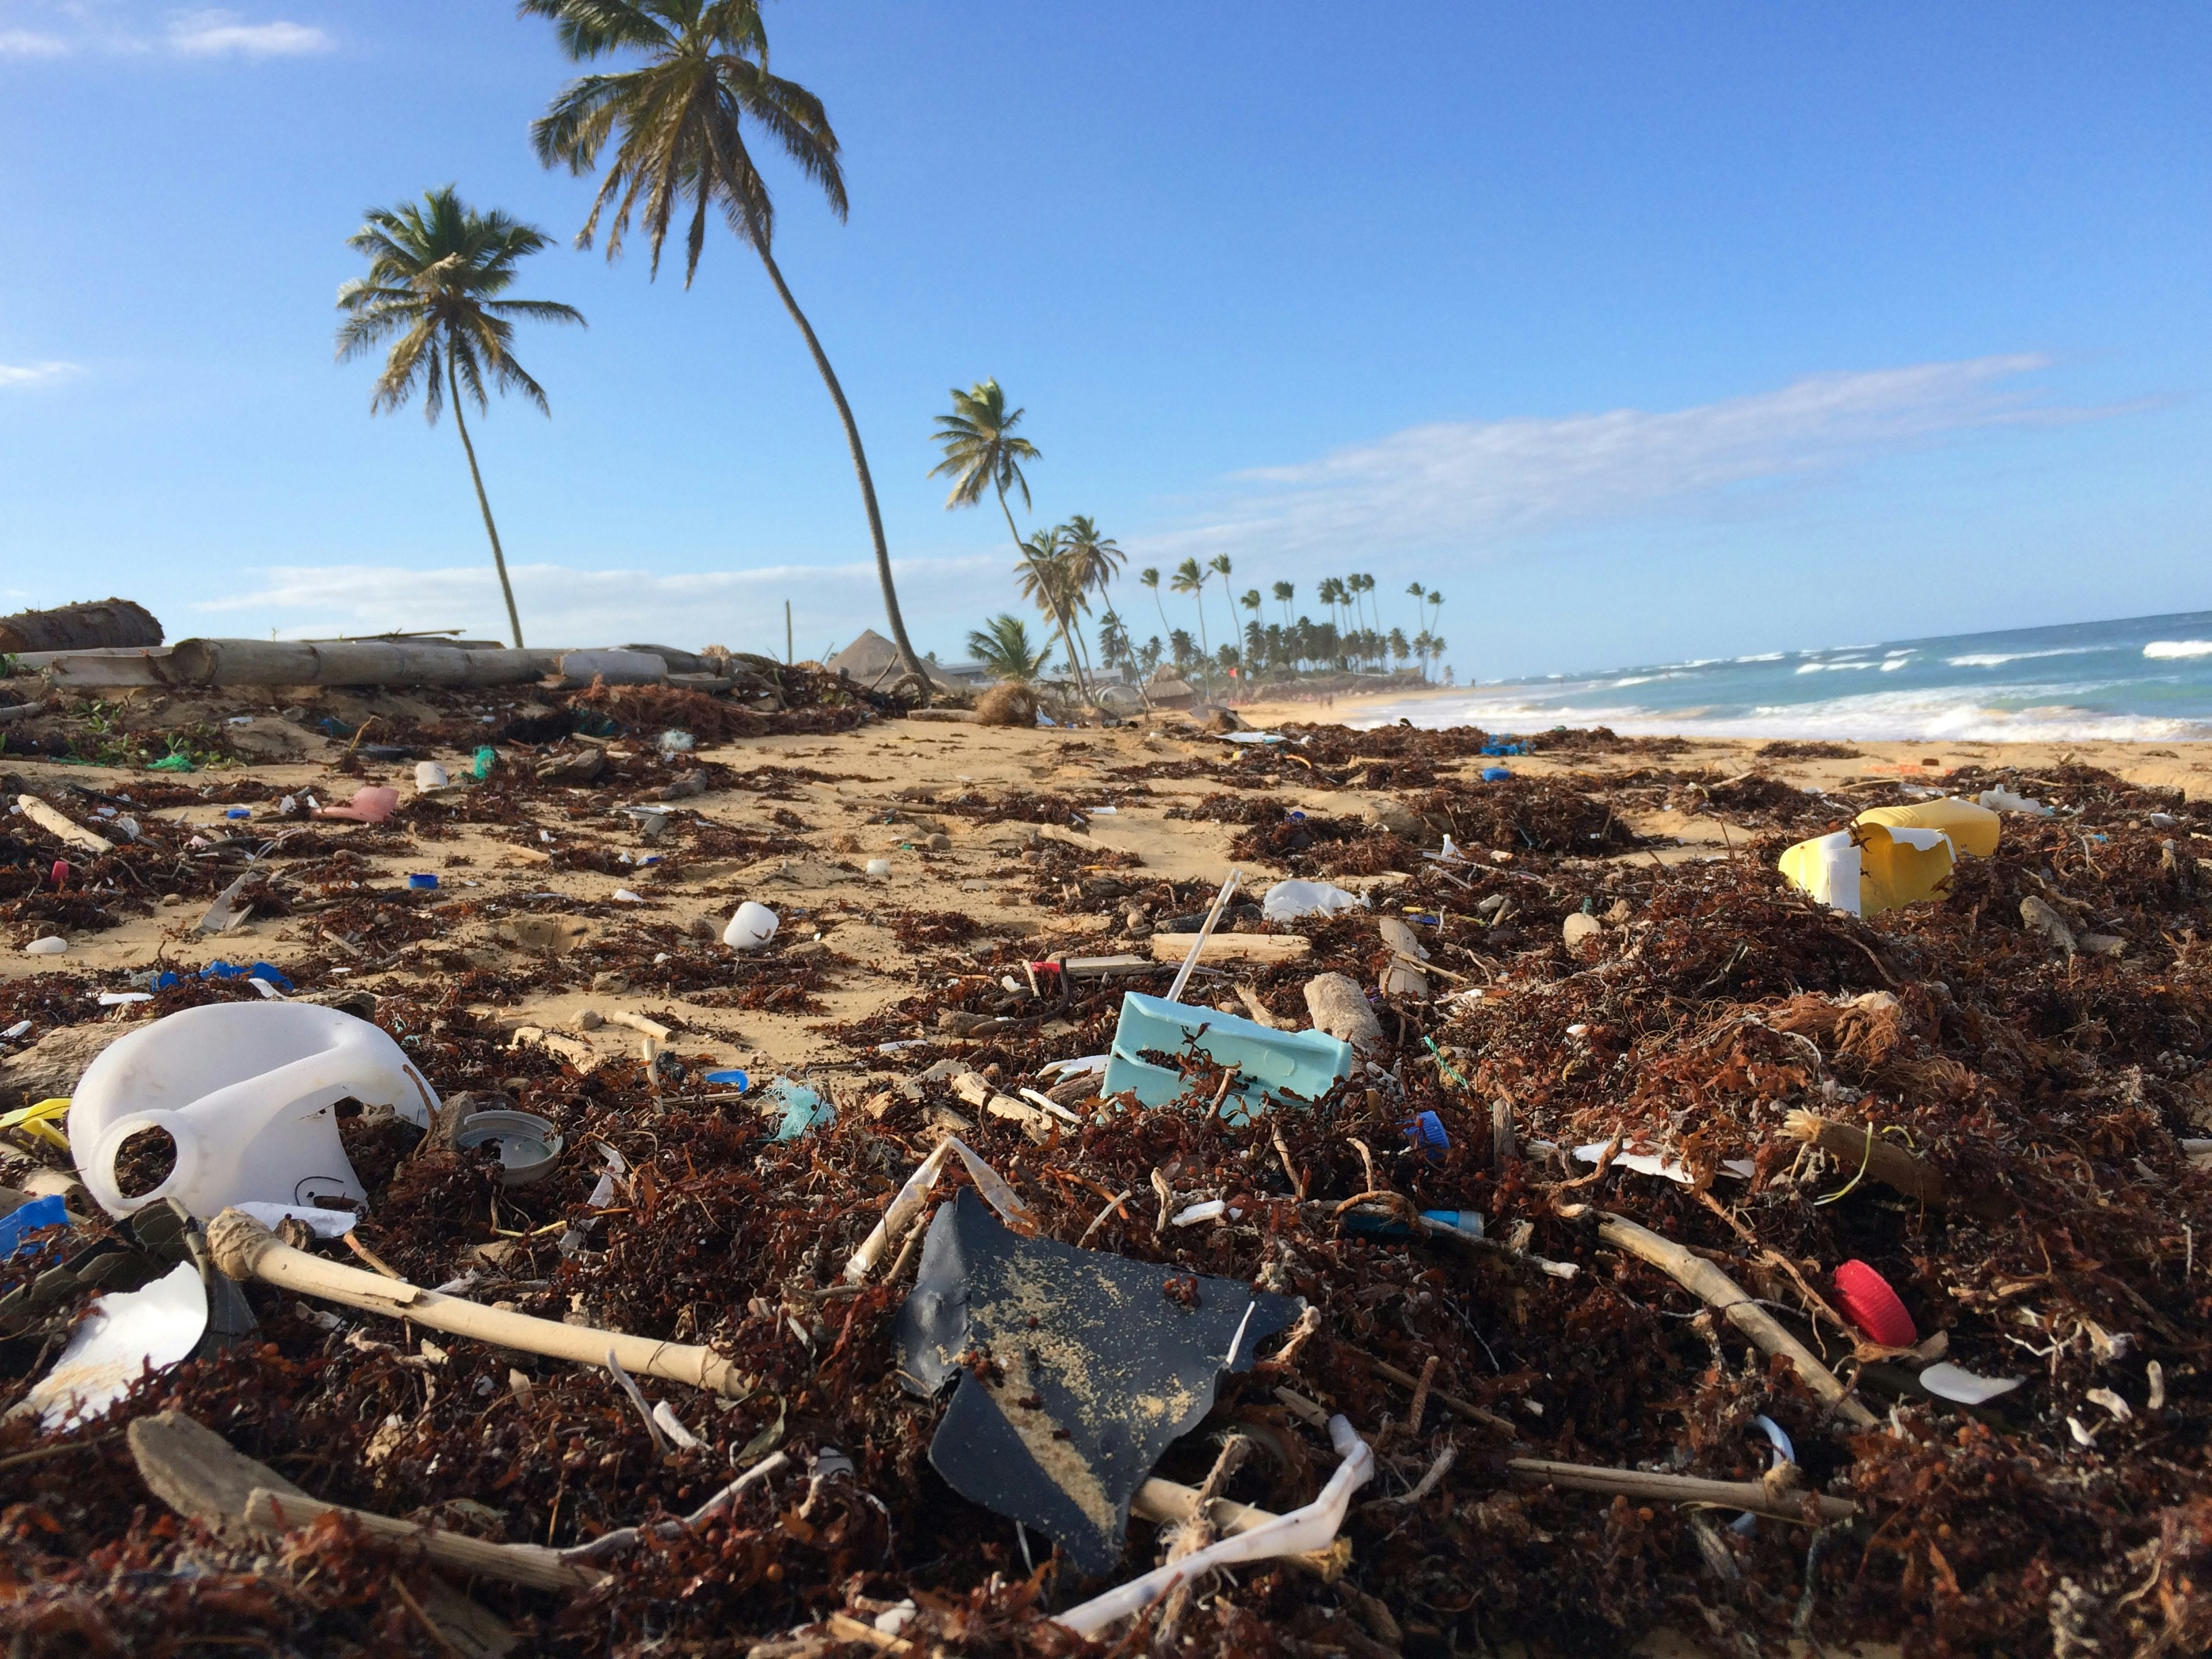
(1642, 332)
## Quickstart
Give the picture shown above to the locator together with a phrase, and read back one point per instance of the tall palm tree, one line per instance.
(435, 273)
(982, 451)
(1045, 581)
(1419, 595)
(1284, 593)
(1149, 580)
(1002, 645)
(1330, 592)
(1191, 579)
(1219, 564)
(676, 123)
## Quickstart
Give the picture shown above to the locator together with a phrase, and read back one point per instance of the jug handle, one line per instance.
(100, 1177)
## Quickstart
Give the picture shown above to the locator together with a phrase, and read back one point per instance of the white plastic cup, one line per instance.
(879, 866)
(752, 927)
(428, 774)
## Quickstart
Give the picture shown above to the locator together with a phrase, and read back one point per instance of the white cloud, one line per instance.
(30, 373)
(29, 43)
(1461, 485)
(561, 605)
(217, 33)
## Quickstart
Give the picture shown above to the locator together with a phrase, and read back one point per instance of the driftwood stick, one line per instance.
(1700, 1277)
(243, 1248)
(518, 1563)
(1856, 1145)
(1473, 1412)
(1753, 1495)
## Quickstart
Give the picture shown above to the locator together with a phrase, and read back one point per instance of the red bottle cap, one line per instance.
(1872, 1306)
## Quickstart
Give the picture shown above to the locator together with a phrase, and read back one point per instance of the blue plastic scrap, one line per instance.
(219, 969)
(1495, 774)
(48, 1211)
(1272, 1065)
(1505, 746)
(803, 1111)
(1467, 1223)
(1426, 1131)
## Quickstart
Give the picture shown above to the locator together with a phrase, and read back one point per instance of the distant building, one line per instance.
(871, 662)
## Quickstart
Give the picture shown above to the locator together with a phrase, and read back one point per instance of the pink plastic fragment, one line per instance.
(372, 803)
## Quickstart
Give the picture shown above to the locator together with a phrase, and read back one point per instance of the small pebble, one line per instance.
(589, 1020)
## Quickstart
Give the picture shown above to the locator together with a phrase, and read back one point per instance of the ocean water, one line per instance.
(2144, 680)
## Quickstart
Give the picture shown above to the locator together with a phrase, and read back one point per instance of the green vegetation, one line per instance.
(435, 273)
(1002, 645)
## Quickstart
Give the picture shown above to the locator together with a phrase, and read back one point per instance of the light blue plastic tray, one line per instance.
(1295, 1065)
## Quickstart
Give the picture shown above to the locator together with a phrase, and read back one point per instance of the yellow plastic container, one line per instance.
(1891, 855)
(1971, 828)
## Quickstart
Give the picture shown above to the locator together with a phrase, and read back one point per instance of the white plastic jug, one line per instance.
(248, 1092)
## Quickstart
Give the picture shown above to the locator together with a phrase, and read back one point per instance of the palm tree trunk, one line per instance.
(907, 657)
(498, 557)
(1044, 586)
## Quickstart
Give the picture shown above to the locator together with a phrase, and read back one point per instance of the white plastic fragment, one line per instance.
(49, 946)
(1301, 1532)
(672, 1427)
(322, 1222)
(124, 1335)
(1287, 900)
(1211, 1210)
(879, 866)
(1949, 1381)
(623, 895)
(2005, 800)
(428, 774)
(752, 926)
(907, 1203)
(1667, 1169)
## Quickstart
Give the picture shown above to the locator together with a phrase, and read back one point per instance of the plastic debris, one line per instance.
(804, 1111)
(25, 1218)
(372, 803)
(1949, 1381)
(1868, 1301)
(2005, 800)
(1098, 1364)
(52, 946)
(123, 1336)
(245, 1093)
(1270, 1065)
(1288, 901)
(529, 1145)
(750, 928)
(1307, 1531)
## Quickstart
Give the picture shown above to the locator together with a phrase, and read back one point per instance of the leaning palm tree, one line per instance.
(676, 123)
(435, 273)
(1191, 579)
(1002, 645)
(1284, 593)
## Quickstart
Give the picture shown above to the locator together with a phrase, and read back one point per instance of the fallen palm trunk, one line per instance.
(1862, 1146)
(345, 662)
(243, 1248)
(97, 625)
(1756, 1496)
(1696, 1275)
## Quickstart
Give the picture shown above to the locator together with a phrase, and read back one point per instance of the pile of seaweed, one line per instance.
(1992, 1122)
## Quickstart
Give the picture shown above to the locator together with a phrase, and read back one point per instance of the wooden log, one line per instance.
(1232, 947)
(1755, 1496)
(94, 625)
(1701, 1277)
(243, 1248)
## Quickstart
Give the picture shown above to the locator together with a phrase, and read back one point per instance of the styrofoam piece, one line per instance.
(248, 1092)
(428, 774)
(124, 1335)
(1667, 1169)
(1272, 1065)
(752, 927)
